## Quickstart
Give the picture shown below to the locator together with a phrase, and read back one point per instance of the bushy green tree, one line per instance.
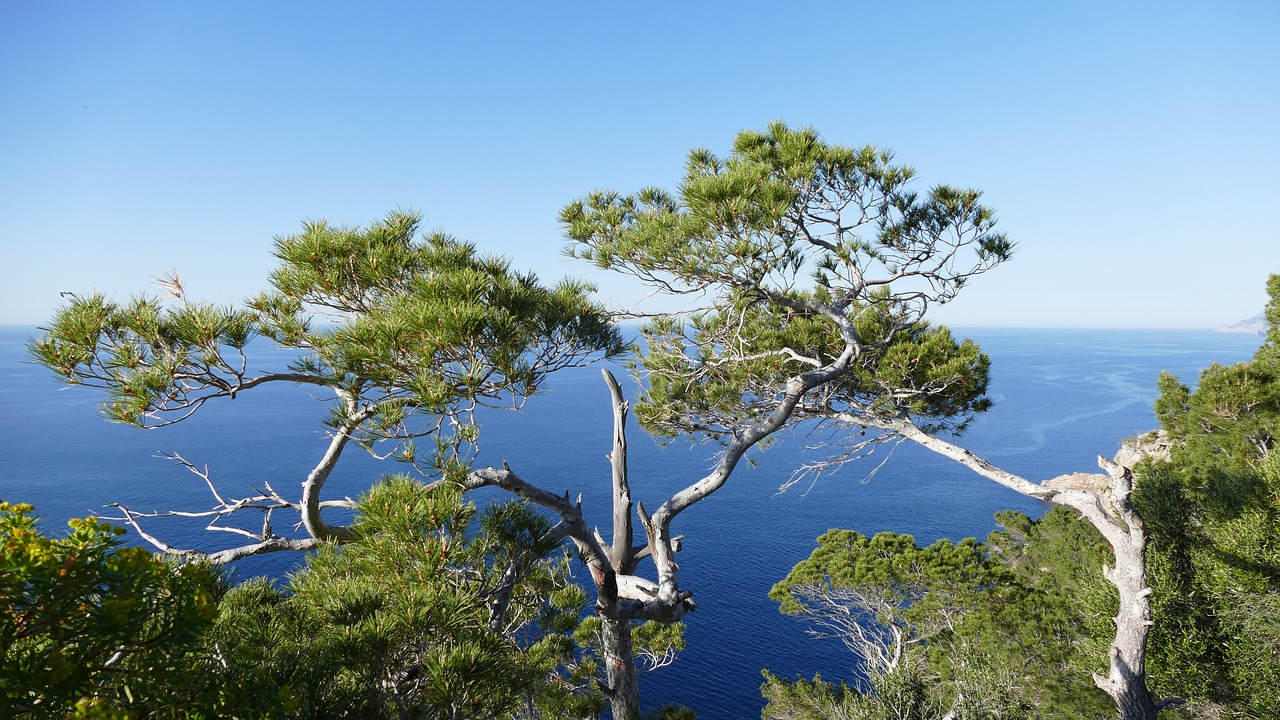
(909, 693)
(739, 233)
(410, 336)
(416, 616)
(1058, 630)
(883, 595)
(974, 629)
(90, 624)
(406, 334)
(1214, 514)
(813, 268)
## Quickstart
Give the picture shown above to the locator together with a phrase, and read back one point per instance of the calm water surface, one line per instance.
(1062, 398)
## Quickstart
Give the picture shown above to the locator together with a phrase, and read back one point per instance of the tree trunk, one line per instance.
(1126, 681)
(622, 596)
(1110, 510)
(620, 669)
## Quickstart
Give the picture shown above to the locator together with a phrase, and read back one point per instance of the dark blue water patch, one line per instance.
(1063, 397)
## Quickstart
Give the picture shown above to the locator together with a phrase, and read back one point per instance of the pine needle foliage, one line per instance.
(807, 262)
(969, 628)
(405, 334)
(406, 619)
(1213, 512)
(413, 327)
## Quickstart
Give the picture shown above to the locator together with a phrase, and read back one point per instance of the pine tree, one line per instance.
(406, 335)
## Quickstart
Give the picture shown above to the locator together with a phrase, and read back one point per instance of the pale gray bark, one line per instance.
(312, 519)
(310, 507)
(878, 252)
(841, 614)
(623, 689)
(621, 595)
(621, 552)
(1112, 513)
(266, 501)
(268, 543)
(624, 596)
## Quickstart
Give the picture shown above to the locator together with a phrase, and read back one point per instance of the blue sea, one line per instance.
(1062, 397)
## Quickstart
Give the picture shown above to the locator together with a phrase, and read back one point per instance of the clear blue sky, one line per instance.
(1132, 149)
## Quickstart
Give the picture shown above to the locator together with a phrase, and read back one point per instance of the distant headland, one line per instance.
(1256, 325)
